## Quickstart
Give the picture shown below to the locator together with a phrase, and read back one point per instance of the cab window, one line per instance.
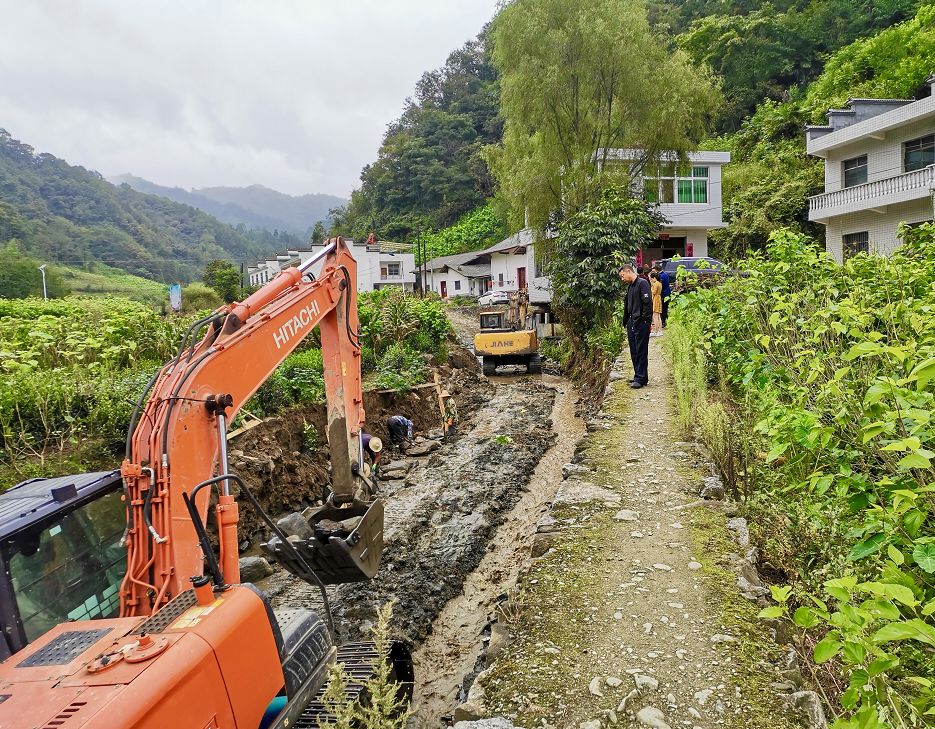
(490, 321)
(70, 568)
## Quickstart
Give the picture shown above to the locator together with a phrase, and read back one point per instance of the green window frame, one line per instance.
(684, 185)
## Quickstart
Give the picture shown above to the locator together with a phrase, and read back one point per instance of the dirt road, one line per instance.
(633, 618)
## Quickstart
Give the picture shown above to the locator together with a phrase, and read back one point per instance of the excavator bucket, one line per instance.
(345, 547)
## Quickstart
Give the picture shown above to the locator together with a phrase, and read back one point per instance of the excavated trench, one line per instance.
(449, 658)
(458, 526)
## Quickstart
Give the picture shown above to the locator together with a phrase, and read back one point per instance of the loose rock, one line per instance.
(254, 568)
(652, 717)
(294, 525)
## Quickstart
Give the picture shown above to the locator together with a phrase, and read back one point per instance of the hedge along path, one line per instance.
(638, 590)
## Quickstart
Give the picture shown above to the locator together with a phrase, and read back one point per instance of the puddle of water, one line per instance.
(451, 651)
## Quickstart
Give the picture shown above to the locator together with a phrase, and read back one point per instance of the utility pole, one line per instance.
(421, 262)
(45, 291)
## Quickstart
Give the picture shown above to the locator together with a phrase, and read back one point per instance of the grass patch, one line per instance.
(712, 541)
(103, 280)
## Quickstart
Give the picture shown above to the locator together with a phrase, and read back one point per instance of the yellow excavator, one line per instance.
(508, 337)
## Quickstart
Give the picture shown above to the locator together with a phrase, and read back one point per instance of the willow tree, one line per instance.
(579, 79)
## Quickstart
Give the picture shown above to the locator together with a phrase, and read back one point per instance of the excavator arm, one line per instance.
(179, 440)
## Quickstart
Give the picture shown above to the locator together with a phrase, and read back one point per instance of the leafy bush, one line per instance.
(475, 230)
(555, 349)
(73, 367)
(834, 369)
(199, 297)
(400, 367)
(304, 373)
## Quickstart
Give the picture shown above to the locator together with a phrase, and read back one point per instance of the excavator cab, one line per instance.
(60, 554)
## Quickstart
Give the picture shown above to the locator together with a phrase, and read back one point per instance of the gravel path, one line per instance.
(630, 620)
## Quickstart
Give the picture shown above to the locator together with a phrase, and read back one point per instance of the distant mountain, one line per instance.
(67, 214)
(255, 206)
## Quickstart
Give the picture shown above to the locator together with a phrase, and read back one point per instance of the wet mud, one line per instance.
(452, 654)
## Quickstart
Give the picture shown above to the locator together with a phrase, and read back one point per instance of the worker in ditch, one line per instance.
(401, 430)
(373, 448)
(451, 415)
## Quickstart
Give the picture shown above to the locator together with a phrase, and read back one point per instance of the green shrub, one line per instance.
(304, 373)
(73, 367)
(830, 370)
(199, 297)
(555, 349)
(399, 368)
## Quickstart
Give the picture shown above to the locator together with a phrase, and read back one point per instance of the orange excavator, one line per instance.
(193, 648)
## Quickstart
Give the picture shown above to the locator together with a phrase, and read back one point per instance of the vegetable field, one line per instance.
(73, 367)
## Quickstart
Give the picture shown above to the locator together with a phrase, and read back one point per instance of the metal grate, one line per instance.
(172, 610)
(64, 649)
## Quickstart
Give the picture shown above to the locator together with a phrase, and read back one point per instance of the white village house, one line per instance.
(879, 159)
(689, 197)
(462, 274)
(379, 265)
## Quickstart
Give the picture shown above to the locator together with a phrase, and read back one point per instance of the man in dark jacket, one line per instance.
(666, 291)
(637, 318)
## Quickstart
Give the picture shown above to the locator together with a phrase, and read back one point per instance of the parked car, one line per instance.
(494, 298)
(688, 272)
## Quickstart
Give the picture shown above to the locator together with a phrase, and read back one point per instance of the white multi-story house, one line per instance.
(689, 197)
(514, 266)
(379, 265)
(879, 156)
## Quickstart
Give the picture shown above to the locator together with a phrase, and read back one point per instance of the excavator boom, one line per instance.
(197, 651)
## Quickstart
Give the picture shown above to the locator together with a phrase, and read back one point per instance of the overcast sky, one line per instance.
(291, 94)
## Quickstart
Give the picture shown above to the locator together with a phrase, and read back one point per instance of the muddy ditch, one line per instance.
(459, 523)
(458, 530)
(441, 517)
(285, 461)
(467, 634)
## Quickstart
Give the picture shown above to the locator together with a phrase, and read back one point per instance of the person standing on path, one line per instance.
(656, 286)
(666, 291)
(638, 314)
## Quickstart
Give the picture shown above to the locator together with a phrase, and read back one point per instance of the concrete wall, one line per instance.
(880, 226)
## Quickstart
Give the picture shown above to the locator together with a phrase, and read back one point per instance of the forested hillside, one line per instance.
(67, 214)
(762, 50)
(769, 179)
(430, 170)
(253, 207)
(779, 64)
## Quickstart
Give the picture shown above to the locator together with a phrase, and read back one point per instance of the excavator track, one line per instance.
(358, 660)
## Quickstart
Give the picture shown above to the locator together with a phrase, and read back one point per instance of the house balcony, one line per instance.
(876, 195)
